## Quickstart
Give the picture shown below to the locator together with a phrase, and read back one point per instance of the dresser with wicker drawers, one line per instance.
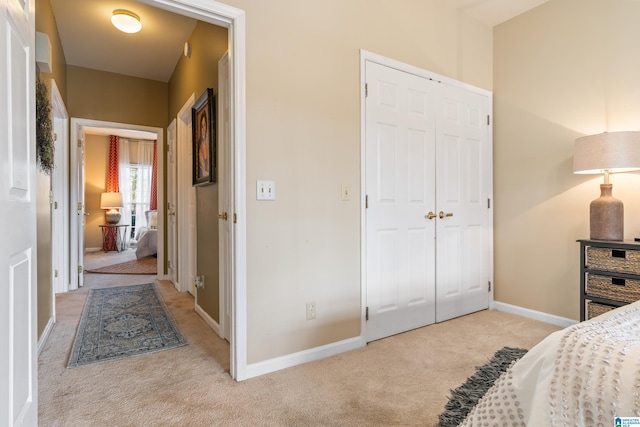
(609, 275)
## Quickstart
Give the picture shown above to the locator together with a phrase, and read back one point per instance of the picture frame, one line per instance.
(203, 124)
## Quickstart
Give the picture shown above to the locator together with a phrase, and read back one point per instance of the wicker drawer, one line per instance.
(618, 260)
(595, 309)
(624, 290)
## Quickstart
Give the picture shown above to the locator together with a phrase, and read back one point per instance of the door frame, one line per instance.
(185, 201)
(76, 130)
(60, 225)
(401, 66)
(234, 19)
(171, 181)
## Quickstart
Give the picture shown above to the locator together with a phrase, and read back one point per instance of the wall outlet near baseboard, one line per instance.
(311, 310)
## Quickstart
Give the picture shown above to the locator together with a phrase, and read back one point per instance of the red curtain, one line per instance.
(153, 204)
(113, 165)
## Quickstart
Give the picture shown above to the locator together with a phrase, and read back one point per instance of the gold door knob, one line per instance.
(223, 216)
(430, 215)
(442, 214)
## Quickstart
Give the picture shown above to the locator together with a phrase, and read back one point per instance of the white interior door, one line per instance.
(186, 206)
(18, 247)
(464, 174)
(400, 172)
(224, 201)
(172, 266)
(80, 208)
(60, 184)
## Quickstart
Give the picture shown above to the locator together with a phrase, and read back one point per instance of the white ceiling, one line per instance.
(89, 40)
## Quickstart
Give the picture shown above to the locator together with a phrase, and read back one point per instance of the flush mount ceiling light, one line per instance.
(126, 21)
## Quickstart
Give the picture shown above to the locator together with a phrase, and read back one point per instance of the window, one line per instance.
(136, 199)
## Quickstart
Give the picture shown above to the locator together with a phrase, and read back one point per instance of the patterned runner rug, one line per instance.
(123, 322)
(148, 265)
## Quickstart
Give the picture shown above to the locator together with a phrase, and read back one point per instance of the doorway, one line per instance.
(80, 129)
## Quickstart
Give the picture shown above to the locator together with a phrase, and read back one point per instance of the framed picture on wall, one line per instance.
(203, 123)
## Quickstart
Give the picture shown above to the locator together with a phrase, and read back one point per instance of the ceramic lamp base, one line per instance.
(112, 216)
(606, 216)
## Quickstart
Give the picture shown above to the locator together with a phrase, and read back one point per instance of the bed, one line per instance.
(147, 237)
(585, 375)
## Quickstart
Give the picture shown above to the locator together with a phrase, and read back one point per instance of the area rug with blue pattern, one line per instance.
(123, 322)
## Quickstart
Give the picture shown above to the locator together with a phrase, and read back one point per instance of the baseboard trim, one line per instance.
(209, 320)
(92, 249)
(305, 356)
(562, 322)
(45, 334)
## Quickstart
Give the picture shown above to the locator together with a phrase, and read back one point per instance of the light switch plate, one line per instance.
(346, 193)
(266, 190)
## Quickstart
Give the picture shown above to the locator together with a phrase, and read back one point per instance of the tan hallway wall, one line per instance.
(303, 132)
(565, 69)
(45, 23)
(194, 75)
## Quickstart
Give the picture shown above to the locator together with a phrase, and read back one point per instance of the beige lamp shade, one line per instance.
(607, 152)
(111, 200)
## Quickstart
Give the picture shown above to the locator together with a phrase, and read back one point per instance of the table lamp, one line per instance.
(608, 152)
(111, 201)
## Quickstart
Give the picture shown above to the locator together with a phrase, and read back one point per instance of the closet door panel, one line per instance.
(400, 168)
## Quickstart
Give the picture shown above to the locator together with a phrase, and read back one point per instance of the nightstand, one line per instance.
(114, 237)
(609, 275)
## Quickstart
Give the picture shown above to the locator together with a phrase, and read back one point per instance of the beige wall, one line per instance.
(194, 75)
(45, 23)
(96, 155)
(566, 69)
(101, 95)
(303, 132)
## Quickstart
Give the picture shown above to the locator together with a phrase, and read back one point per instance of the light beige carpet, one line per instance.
(402, 380)
(148, 265)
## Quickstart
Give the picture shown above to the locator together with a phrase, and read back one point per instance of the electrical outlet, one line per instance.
(311, 310)
(199, 282)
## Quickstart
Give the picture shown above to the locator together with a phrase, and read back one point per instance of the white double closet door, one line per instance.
(427, 219)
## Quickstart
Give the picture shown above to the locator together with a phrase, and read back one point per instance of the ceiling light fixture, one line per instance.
(126, 21)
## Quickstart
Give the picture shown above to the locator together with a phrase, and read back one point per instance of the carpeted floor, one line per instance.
(401, 380)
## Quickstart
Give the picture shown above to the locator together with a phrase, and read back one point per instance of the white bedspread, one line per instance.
(585, 375)
(148, 244)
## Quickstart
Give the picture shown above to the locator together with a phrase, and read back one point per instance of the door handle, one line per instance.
(223, 216)
(443, 215)
(430, 215)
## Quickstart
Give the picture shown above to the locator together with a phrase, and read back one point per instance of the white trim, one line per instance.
(562, 322)
(60, 189)
(407, 68)
(305, 356)
(185, 201)
(92, 249)
(78, 123)
(45, 334)
(209, 320)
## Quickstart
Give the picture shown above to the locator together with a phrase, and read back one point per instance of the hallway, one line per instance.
(151, 382)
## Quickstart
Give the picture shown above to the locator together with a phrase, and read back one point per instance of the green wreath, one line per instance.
(44, 128)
